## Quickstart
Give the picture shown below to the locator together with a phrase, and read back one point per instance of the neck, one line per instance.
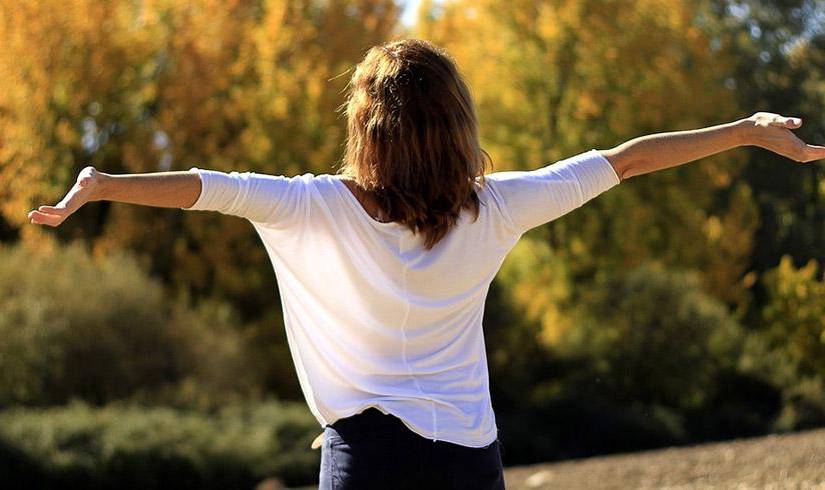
(368, 201)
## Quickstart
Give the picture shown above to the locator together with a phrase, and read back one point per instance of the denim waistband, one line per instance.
(369, 419)
(371, 422)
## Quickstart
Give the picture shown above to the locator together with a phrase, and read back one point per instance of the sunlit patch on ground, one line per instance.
(771, 462)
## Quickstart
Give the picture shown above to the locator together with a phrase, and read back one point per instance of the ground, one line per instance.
(792, 461)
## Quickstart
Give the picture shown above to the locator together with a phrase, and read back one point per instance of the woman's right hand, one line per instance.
(85, 189)
(773, 132)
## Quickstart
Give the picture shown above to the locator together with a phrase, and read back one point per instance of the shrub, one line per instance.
(129, 446)
(102, 330)
(794, 315)
(788, 348)
(655, 337)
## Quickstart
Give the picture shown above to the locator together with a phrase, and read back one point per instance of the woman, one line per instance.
(384, 267)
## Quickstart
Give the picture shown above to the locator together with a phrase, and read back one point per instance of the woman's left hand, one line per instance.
(773, 132)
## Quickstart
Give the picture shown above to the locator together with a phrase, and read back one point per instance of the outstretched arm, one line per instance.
(664, 150)
(276, 201)
(176, 189)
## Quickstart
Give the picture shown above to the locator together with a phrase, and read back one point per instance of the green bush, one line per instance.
(129, 446)
(793, 339)
(655, 337)
(100, 329)
(647, 359)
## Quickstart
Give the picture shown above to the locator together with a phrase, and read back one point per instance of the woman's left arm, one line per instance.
(658, 151)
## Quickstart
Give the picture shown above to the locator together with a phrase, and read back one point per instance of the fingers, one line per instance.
(60, 211)
(40, 218)
(813, 152)
(786, 143)
(786, 122)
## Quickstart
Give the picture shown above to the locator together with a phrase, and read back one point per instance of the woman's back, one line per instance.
(372, 317)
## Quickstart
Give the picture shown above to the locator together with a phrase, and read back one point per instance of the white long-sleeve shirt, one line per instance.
(374, 319)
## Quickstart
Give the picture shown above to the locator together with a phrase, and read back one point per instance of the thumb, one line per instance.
(58, 210)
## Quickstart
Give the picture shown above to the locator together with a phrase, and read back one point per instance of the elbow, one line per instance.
(623, 164)
(624, 172)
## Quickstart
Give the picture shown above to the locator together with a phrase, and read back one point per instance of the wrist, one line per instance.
(743, 131)
(100, 186)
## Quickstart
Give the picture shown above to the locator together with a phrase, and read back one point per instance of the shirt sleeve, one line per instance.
(274, 200)
(532, 198)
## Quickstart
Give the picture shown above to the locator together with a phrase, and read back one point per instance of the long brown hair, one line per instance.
(412, 140)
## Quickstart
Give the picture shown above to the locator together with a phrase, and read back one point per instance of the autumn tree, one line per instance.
(247, 85)
(552, 79)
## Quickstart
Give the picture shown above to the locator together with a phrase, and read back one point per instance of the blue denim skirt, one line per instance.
(373, 450)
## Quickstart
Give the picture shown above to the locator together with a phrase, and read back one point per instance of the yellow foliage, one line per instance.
(226, 84)
(552, 79)
(538, 284)
(795, 313)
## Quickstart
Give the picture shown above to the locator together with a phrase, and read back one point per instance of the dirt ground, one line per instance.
(792, 461)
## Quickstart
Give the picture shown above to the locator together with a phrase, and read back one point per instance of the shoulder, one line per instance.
(297, 182)
(321, 182)
(316, 186)
(486, 187)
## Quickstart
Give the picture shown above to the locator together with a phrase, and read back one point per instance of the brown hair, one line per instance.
(412, 140)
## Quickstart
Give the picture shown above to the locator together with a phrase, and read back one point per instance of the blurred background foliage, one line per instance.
(139, 343)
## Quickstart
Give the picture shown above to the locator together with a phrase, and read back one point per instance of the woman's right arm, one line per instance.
(177, 189)
(274, 200)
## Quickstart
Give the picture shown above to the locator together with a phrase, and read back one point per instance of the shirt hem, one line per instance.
(598, 154)
(426, 434)
(200, 202)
